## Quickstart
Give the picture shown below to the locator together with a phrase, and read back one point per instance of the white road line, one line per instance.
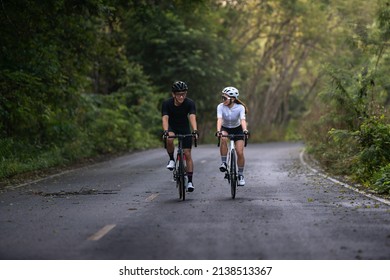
(151, 197)
(102, 232)
(385, 201)
(38, 180)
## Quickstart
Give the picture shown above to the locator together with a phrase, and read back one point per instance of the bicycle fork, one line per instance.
(229, 162)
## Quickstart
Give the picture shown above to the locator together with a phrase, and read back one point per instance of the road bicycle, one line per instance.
(231, 173)
(180, 170)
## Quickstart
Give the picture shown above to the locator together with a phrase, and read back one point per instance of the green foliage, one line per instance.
(381, 180)
(338, 153)
(44, 62)
(18, 157)
(104, 124)
(52, 52)
(353, 131)
(374, 139)
(383, 16)
(116, 127)
(176, 42)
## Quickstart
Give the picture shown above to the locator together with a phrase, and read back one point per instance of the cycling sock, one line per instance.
(189, 175)
(223, 158)
(171, 156)
(240, 170)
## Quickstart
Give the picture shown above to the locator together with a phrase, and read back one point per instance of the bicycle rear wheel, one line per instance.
(233, 174)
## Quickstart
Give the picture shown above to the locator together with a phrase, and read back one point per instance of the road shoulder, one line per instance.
(310, 163)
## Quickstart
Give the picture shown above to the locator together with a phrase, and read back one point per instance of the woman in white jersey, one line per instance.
(231, 120)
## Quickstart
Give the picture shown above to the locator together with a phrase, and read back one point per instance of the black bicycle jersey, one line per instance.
(178, 115)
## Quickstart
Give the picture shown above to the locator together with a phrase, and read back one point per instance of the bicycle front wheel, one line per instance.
(178, 185)
(233, 174)
(181, 180)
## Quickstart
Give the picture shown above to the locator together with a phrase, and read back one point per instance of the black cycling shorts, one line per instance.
(187, 142)
(234, 130)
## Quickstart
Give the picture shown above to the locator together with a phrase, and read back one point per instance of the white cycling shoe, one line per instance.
(171, 165)
(223, 167)
(241, 181)
(190, 187)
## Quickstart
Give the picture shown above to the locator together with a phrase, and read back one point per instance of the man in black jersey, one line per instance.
(178, 113)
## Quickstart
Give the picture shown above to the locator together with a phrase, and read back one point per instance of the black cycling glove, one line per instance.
(195, 133)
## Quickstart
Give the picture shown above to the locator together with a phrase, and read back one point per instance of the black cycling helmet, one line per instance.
(179, 86)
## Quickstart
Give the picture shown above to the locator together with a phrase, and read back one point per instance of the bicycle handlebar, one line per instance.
(230, 136)
(180, 137)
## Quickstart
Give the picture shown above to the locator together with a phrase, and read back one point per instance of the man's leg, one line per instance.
(171, 151)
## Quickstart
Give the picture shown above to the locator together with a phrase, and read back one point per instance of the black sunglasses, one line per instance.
(224, 98)
(180, 93)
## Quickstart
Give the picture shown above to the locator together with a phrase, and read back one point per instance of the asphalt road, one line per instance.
(128, 208)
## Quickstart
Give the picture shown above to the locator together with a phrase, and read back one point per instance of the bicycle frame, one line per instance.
(231, 171)
(180, 170)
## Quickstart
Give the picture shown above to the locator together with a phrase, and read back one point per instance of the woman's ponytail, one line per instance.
(238, 101)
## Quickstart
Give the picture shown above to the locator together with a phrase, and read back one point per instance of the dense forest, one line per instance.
(87, 77)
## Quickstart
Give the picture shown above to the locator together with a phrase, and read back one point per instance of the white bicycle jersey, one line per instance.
(231, 117)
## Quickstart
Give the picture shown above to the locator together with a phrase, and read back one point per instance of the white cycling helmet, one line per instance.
(231, 91)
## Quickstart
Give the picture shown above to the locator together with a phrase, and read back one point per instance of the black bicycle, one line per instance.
(180, 170)
(231, 171)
